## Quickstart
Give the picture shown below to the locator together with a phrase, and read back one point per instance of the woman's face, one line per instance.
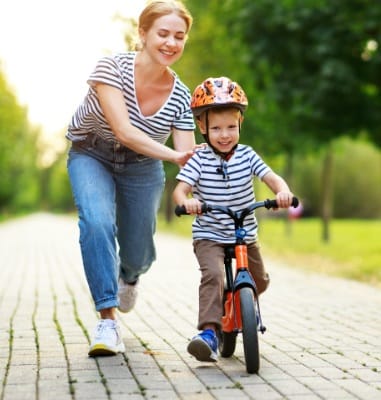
(165, 40)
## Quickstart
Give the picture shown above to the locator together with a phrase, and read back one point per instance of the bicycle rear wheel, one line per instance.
(226, 340)
(249, 330)
(226, 343)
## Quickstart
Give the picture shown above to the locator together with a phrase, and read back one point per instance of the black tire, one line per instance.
(226, 340)
(226, 344)
(249, 330)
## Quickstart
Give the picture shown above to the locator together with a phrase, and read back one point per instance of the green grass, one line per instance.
(354, 249)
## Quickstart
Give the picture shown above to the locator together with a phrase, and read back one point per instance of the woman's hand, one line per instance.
(199, 146)
(181, 157)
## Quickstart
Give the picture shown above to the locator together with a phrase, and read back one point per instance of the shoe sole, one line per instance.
(201, 351)
(130, 301)
(100, 350)
(125, 310)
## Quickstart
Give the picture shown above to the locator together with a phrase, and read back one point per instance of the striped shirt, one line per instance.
(225, 183)
(118, 71)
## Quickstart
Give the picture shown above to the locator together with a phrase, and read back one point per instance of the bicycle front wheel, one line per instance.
(249, 330)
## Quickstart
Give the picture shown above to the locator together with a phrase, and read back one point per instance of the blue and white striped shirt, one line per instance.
(118, 71)
(226, 183)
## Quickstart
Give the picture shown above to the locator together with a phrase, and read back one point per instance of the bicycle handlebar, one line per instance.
(180, 210)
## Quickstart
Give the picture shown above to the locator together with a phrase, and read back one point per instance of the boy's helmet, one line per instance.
(218, 92)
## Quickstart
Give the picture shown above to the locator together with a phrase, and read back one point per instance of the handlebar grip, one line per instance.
(274, 204)
(295, 202)
(181, 210)
(271, 204)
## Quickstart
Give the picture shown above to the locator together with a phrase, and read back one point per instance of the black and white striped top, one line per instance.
(118, 71)
(226, 183)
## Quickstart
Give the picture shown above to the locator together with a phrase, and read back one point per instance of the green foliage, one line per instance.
(356, 176)
(211, 50)
(309, 61)
(307, 181)
(58, 191)
(18, 142)
(310, 68)
(311, 72)
(357, 179)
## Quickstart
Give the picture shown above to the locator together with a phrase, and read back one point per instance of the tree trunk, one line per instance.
(326, 193)
(169, 205)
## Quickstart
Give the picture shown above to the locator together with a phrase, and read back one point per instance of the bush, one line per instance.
(357, 180)
(356, 177)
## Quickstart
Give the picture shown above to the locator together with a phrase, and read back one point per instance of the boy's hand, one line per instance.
(284, 199)
(193, 206)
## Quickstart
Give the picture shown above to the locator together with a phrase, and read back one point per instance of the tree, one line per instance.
(18, 179)
(316, 67)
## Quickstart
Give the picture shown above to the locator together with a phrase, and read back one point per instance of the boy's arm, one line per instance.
(181, 198)
(181, 192)
(280, 188)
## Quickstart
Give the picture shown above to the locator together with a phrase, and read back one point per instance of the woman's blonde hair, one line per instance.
(156, 9)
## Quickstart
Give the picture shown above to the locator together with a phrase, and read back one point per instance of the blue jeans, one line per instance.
(117, 194)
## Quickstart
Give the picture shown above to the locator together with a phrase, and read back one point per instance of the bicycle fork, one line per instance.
(231, 321)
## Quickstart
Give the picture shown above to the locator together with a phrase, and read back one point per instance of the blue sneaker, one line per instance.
(204, 346)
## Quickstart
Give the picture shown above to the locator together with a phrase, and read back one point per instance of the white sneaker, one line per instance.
(127, 295)
(107, 339)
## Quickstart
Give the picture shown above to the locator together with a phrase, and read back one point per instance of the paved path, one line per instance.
(323, 339)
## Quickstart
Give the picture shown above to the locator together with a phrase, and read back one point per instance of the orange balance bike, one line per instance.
(241, 311)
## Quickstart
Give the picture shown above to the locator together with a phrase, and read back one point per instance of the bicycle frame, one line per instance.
(231, 320)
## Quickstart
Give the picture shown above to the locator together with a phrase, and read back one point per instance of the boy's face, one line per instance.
(224, 127)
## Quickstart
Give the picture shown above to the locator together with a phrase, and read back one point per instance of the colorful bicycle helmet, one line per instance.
(218, 92)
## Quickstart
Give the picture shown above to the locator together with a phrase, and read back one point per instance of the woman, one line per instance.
(135, 101)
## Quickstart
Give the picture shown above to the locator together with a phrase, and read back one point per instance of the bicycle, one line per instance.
(241, 310)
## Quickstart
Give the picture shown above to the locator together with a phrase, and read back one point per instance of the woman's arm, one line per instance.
(116, 113)
(183, 140)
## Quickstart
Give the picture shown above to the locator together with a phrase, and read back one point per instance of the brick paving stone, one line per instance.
(25, 391)
(359, 388)
(322, 340)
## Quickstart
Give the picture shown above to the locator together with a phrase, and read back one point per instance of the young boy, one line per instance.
(221, 173)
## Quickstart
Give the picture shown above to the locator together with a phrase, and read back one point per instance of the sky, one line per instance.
(48, 49)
